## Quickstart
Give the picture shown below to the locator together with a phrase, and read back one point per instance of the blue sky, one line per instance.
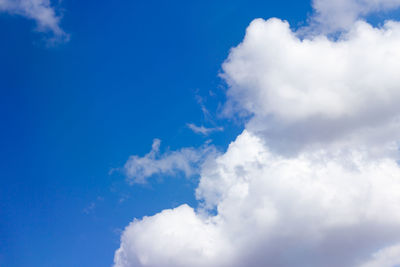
(73, 111)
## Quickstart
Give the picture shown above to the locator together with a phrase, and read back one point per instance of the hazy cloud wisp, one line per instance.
(203, 130)
(41, 11)
(337, 15)
(186, 161)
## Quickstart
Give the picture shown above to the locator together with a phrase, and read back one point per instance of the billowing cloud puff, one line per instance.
(317, 90)
(314, 178)
(177, 237)
(39, 10)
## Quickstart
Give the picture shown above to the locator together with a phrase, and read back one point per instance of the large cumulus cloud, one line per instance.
(310, 91)
(311, 210)
(314, 178)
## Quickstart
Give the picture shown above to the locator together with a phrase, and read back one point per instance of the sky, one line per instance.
(204, 133)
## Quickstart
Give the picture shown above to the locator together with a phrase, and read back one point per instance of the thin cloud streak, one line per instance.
(186, 160)
(42, 12)
(203, 130)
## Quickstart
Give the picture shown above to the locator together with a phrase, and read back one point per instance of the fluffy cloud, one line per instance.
(314, 178)
(337, 15)
(310, 91)
(177, 237)
(39, 10)
(311, 210)
(186, 160)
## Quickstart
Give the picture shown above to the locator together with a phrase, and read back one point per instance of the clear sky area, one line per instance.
(199, 133)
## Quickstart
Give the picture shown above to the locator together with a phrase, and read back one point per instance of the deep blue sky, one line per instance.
(71, 113)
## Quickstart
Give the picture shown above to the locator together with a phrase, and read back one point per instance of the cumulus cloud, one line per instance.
(304, 92)
(41, 11)
(186, 161)
(203, 130)
(312, 210)
(314, 178)
(177, 237)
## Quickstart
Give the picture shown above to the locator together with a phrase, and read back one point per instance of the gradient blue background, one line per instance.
(69, 114)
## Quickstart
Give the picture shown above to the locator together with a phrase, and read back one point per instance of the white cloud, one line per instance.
(314, 178)
(203, 130)
(341, 14)
(387, 257)
(186, 160)
(206, 114)
(172, 238)
(303, 92)
(311, 210)
(39, 10)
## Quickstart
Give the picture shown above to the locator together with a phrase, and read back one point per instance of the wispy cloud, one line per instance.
(337, 15)
(92, 205)
(387, 257)
(206, 113)
(203, 130)
(186, 161)
(90, 208)
(42, 12)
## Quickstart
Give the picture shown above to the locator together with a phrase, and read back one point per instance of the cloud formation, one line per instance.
(317, 91)
(387, 257)
(186, 161)
(314, 178)
(311, 210)
(331, 16)
(41, 11)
